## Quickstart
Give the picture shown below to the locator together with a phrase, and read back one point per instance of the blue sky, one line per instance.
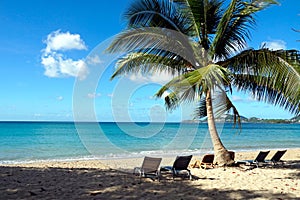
(43, 51)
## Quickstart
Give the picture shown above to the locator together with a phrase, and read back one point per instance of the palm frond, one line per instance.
(144, 63)
(193, 85)
(171, 101)
(158, 13)
(268, 76)
(290, 56)
(224, 105)
(233, 29)
(206, 14)
(200, 111)
(149, 40)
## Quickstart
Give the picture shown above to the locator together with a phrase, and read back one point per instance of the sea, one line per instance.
(25, 142)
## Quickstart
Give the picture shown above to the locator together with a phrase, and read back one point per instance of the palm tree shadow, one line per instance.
(292, 164)
(84, 183)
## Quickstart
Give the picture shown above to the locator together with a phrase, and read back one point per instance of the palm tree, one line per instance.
(203, 44)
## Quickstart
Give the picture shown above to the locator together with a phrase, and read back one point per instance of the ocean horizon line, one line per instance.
(161, 122)
(70, 121)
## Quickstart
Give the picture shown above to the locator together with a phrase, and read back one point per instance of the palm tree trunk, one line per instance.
(222, 157)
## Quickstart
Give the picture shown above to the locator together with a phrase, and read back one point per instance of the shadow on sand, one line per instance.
(83, 183)
(290, 165)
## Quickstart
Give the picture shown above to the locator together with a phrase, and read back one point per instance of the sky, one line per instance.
(53, 69)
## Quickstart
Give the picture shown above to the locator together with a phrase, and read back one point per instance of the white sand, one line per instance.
(100, 180)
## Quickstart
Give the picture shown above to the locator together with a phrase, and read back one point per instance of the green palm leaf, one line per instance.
(222, 105)
(148, 40)
(158, 13)
(233, 29)
(200, 111)
(207, 15)
(267, 76)
(193, 85)
(150, 63)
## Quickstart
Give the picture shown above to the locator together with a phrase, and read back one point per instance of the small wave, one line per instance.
(111, 156)
(28, 161)
(114, 156)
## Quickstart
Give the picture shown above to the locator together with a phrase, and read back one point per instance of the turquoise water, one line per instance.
(32, 141)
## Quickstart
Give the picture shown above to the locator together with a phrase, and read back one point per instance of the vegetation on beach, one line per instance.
(202, 43)
(230, 118)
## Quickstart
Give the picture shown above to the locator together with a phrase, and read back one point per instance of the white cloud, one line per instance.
(93, 95)
(59, 98)
(236, 98)
(248, 99)
(63, 41)
(275, 44)
(161, 78)
(51, 66)
(259, 3)
(94, 60)
(55, 63)
(166, 93)
(73, 68)
(56, 66)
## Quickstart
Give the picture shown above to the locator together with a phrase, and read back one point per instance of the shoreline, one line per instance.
(113, 179)
(292, 154)
(140, 156)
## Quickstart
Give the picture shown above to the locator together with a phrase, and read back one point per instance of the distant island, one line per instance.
(229, 118)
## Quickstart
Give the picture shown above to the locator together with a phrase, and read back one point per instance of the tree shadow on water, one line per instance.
(84, 183)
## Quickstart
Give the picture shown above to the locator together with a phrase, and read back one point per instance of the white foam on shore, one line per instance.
(128, 155)
(158, 153)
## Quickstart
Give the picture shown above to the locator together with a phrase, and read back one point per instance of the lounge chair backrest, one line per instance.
(232, 154)
(261, 156)
(182, 162)
(151, 164)
(208, 158)
(278, 155)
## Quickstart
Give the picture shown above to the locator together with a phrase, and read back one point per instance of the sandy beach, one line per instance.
(113, 179)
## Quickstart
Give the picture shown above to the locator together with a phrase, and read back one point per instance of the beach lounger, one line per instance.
(208, 161)
(260, 159)
(232, 154)
(180, 167)
(149, 168)
(277, 157)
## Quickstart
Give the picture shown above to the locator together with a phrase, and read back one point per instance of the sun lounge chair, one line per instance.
(208, 161)
(149, 168)
(232, 154)
(277, 157)
(260, 159)
(180, 167)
